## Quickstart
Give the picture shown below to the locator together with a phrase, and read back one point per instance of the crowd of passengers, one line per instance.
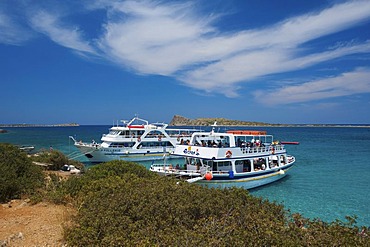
(209, 143)
(250, 144)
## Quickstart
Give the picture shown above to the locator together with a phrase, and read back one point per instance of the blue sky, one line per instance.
(98, 61)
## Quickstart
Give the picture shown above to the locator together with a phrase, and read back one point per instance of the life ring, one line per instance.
(228, 154)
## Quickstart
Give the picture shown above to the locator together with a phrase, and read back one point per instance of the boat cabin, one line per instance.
(236, 151)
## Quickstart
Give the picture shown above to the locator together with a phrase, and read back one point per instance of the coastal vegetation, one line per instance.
(18, 175)
(55, 160)
(123, 204)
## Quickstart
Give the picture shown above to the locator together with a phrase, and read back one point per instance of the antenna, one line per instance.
(213, 127)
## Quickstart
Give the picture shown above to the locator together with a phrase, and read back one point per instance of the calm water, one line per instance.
(330, 178)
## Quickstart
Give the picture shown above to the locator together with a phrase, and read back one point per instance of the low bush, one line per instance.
(17, 173)
(124, 204)
(56, 159)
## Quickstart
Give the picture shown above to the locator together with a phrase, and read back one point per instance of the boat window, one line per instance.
(154, 133)
(282, 159)
(113, 132)
(156, 144)
(247, 166)
(259, 164)
(222, 166)
(195, 161)
(243, 166)
(273, 161)
(121, 145)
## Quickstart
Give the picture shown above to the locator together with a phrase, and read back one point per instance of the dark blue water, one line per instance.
(330, 179)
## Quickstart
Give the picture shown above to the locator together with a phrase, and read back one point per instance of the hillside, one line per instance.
(183, 121)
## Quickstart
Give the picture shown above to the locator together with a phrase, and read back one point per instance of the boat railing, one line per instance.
(263, 149)
(85, 144)
(172, 169)
(120, 137)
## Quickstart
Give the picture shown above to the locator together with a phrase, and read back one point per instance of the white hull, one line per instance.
(246, 183)
(246, 180)
(100, 155)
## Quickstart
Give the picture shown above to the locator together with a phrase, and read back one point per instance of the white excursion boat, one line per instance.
(135, 140)
(238, 158)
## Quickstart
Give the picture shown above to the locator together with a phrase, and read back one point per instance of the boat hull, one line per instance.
(100, 155)
(246, 182)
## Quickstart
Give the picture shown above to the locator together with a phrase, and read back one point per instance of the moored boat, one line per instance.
(245, 159)
(134, 140)
(27, 149)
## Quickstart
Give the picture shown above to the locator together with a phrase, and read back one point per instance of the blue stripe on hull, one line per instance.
(247, 181)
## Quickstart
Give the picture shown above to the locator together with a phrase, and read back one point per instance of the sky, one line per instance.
(99, 61)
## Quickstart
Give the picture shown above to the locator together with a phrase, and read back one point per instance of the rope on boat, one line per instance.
(75, 155)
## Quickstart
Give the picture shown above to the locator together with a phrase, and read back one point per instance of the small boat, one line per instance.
(134, 140)
(245, 159)
(27, 149)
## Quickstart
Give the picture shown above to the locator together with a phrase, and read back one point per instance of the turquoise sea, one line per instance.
(330, 179)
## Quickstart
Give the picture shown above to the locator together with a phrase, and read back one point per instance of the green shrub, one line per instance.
(18, 174)
(123, 204)
(56, 159)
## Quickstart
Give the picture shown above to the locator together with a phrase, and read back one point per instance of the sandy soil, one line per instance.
(23, 224)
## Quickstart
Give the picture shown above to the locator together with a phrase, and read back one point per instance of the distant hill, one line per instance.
(183, 121)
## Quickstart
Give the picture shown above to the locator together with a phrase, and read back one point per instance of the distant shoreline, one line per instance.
(39, 125)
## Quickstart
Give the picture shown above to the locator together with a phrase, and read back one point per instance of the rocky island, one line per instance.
(178, 120)
(183, 121)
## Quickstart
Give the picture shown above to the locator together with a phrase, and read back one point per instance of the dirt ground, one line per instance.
(23, 224)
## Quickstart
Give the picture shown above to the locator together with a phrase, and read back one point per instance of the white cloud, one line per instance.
(350, 83)
(11, 32)
(174, 40)
(155, 39)
(65, 36)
